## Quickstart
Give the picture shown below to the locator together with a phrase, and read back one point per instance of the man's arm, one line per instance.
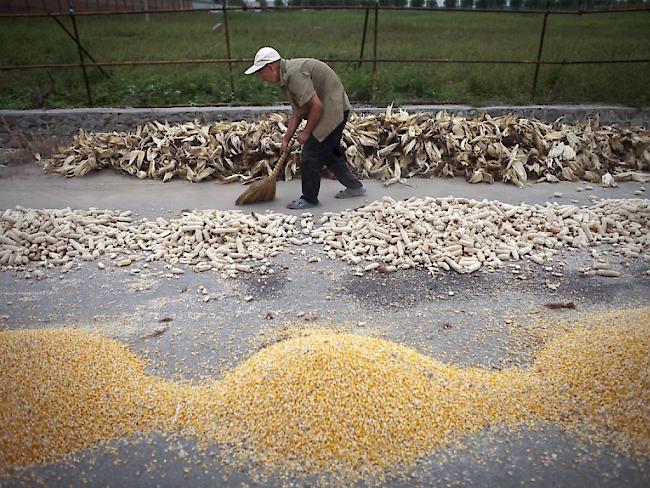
(313, 117)
(292, 125)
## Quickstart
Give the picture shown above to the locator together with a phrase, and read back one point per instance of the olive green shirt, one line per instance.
(301, 79)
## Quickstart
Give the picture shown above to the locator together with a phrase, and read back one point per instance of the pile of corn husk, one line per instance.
(390, 147)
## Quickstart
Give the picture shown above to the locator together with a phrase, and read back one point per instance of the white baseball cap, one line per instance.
(263, 57)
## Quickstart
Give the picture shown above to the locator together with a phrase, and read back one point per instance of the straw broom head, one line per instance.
(264, 190)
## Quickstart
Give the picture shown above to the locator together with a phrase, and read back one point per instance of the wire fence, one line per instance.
(53, 9)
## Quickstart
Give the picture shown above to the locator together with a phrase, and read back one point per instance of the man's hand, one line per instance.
(303, 137)
(294, 122)
(313, 117)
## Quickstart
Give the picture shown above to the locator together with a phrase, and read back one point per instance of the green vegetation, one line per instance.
(328, 35)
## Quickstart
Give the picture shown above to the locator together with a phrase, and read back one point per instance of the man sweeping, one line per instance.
(316, 94)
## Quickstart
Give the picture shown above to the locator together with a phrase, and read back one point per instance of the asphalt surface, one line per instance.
(469, 320)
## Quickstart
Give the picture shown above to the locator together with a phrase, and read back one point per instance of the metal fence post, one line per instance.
(65, 29)
(539, 53)
(71, 11)
(374, 54)
(363, 39)
(227, 34)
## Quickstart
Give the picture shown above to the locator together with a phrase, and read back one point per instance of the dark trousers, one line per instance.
(328, 153)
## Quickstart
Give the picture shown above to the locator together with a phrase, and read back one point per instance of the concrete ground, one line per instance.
(478, 320)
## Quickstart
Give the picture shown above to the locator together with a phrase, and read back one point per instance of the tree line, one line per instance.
(468, 4)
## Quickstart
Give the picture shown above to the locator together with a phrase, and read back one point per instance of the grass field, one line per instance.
(330, 34)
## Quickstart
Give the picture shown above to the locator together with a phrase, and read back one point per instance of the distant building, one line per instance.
(40, 6)
(231, 3)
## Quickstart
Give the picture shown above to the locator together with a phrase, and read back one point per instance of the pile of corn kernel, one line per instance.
(62, 390)
(351, 405)
(601, 375)
(363, 403)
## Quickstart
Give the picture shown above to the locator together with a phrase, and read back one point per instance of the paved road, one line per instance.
(472, 325)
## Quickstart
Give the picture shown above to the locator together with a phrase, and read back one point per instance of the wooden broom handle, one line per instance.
(280, 164)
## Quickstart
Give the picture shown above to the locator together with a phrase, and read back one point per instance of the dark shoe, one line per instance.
(301, 204)
(351, 192)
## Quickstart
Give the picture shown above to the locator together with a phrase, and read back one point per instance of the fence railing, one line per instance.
(181, 6)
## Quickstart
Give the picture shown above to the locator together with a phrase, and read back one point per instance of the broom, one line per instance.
(264, 190)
